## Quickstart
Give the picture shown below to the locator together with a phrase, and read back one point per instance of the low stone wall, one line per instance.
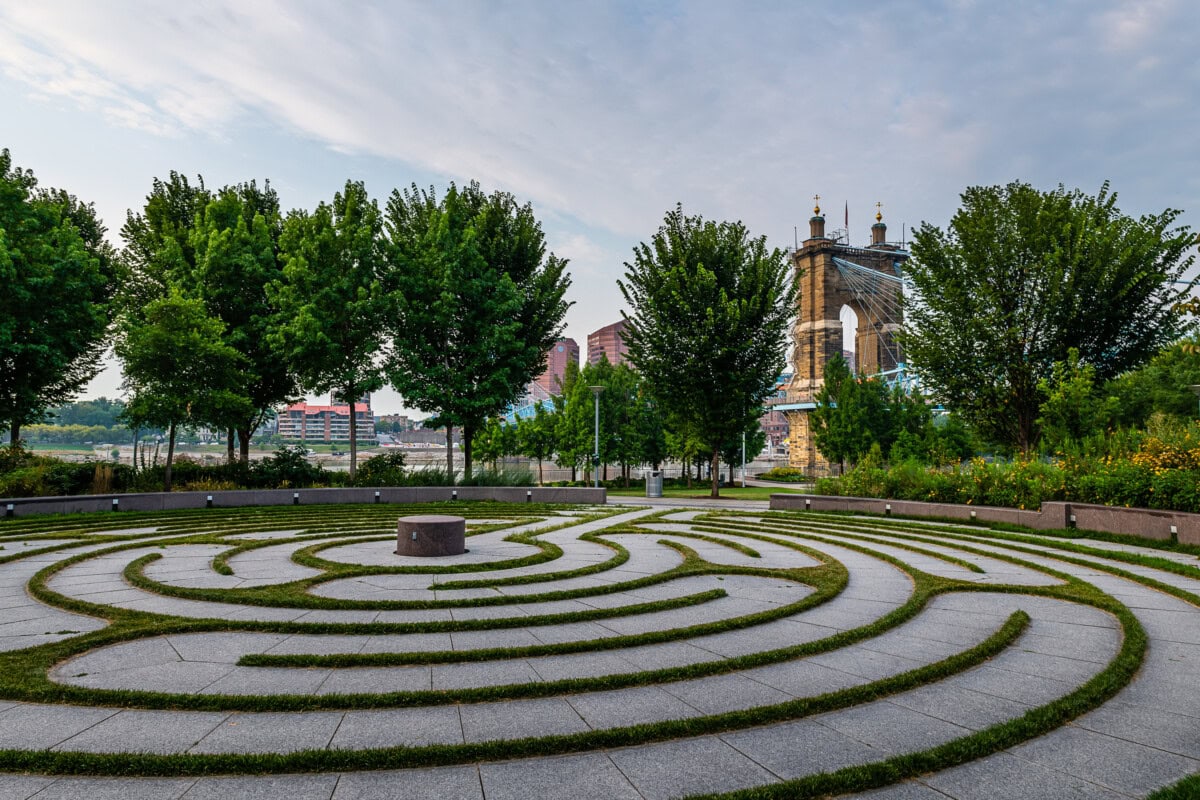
(1144, 522)
(167, 501)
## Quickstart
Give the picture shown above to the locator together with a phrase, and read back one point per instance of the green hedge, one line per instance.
(1025, 484)
(23, 474)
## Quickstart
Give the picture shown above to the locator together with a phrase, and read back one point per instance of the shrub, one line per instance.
(382, 470)
(288, 467)
(500, 477)
(785, 475)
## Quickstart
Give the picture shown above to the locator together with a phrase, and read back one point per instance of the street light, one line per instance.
(596, 390)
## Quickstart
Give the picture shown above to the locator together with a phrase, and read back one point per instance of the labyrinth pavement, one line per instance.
(589, 652)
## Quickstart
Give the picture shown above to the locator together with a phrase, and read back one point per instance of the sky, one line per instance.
(605, 115)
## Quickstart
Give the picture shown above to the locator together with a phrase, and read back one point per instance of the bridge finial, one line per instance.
(816, 205)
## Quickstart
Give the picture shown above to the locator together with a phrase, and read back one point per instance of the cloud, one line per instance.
(612, 113)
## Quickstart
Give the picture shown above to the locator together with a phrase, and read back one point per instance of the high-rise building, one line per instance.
(608, 342)
(564, 351)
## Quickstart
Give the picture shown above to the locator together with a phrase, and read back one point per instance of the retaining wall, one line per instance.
(1144, 522)
(166, 501)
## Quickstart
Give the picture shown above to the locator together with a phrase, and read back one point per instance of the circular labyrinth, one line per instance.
(589, 653)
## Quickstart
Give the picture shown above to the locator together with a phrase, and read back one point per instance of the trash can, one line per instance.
(654, 483)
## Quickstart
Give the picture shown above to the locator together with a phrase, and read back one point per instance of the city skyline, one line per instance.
(605, 117)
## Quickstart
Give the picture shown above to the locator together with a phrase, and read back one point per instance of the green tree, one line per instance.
(626, 408)
(100, 411)
(496, 440)
(177, 367)
(236, 247)
(652, 436)
(850, 415)
(749, 444)
(577, 423)
(1073, 408)
(683, 446)
(331, 303)
(537, 437)
(1020, 277)
(1161, 385)
(477, 304)
(158, 252)
(58, 278)
(568, 452)
(710, 312)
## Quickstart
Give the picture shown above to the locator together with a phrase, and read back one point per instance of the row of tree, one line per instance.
(632, 429)
(221, 307)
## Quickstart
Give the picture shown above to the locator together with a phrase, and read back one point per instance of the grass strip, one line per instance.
(859, 778)
(1174, 591)
(732, 545)
(620, 556)
(496, 653)
(967, 565)
(438, 755)
(1186, 789)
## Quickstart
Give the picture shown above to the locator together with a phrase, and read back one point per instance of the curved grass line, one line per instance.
(735, 546)
(440, 755)
(967, 565)
(1043, 719)
(342, 660)
(1174, 591)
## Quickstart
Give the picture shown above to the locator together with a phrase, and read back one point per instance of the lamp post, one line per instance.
(596, 390)
(1196, 390)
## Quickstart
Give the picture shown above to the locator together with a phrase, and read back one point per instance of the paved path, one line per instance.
(1145, 737)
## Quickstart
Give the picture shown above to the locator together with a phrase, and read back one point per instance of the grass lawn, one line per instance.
(701, 491)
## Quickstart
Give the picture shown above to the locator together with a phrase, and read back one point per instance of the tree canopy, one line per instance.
(710, 312)
(477, 303)
(331, 308)
(58, 277)
(1021, 276)
(177, 367)
(236, 247)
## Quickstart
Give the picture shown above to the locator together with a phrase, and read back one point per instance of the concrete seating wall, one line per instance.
(166, 501)
(1144, 522)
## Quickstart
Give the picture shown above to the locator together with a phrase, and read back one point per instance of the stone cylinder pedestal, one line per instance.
(431, 535)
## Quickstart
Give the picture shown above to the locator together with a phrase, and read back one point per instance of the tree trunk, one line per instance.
(450, 454)
(716, 474)
(467, 433)
(353, 440)
(625, 474)
(244, 444)
(170, 458)
(15, 438)
(687, 473)
(229, 445)
(604, 475)
(539, 472)
(572, 473)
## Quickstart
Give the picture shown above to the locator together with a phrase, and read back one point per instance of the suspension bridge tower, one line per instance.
(833, 275)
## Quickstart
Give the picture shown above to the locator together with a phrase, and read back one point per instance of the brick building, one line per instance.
(326, 424)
